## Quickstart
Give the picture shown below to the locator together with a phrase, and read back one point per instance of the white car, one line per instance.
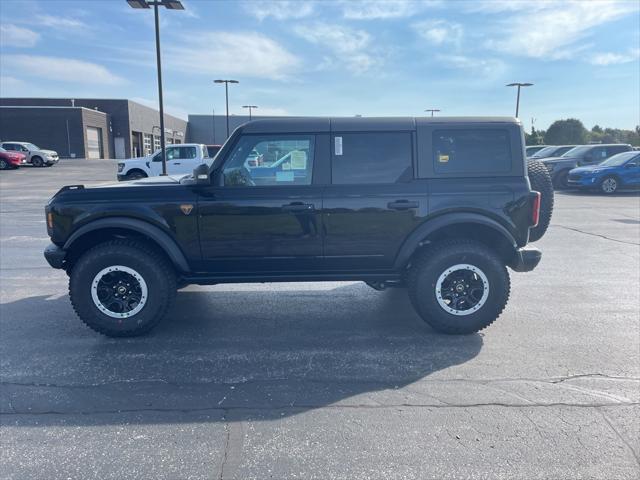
(36, 156)
(181, 159)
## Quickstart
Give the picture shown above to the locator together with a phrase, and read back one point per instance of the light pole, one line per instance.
(226, 95)
(517, 84)
(170, 5)
(250, 107)
(432, 110)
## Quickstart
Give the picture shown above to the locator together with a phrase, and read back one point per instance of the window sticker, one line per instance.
(285, 176)
(443, 158)
(298, 160)
(338, 144)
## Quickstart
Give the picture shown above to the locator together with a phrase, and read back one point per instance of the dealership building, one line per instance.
(88, 127)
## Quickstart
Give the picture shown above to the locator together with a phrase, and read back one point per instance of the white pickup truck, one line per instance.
(182, 158)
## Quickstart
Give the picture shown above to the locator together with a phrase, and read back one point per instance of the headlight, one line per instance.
(120, 167)
(49, 155)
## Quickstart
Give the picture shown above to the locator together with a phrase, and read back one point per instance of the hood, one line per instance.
(146, 158)
(589, 169)
(49, 152)
(558, 159)
(150, 181)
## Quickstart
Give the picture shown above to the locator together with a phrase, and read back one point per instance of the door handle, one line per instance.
(402, 205)
(177, 163)
(298, 207)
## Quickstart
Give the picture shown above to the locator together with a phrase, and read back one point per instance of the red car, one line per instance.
(11, 159)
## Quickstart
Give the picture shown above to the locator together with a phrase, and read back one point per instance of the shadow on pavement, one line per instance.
(268, 353)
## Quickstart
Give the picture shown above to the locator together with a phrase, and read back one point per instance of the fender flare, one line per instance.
(166, 243)
(447, 219)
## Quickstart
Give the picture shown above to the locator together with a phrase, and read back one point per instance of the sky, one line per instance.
(336, 58)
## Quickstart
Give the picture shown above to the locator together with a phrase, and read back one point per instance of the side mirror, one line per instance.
(201, 174)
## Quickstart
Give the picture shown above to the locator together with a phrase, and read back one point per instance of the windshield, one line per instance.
(578, 151)
(31, 146)
(2, 150)
(545, 152)
(619, 159)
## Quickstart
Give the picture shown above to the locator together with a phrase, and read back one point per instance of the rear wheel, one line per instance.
(122, 288)
(459, 286)
(37, 162)
(609, 185)
(541, 182)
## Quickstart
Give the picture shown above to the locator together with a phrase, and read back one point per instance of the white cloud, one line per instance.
(610, 58)
(439, 32)
(555, 25)
(383, 9)
(484, 66)
(61, 23)
(350, 47)
(63, 69)
(247, 54)
(14, 36)
(280, 10)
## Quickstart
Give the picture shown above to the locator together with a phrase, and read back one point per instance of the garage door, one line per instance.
(94, 142)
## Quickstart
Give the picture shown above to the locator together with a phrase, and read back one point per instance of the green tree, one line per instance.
(563, 132)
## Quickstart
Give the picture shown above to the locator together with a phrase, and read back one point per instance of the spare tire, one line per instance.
(541, 182)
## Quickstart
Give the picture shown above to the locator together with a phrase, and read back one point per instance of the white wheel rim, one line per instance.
(136, 282)
(444, 292)
(609, 185)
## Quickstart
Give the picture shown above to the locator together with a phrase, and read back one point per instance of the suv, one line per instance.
(580, 156)
(36, 156)
(181, 159)
(441, 206)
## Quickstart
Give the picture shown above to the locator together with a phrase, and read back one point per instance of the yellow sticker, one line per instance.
(443, 158)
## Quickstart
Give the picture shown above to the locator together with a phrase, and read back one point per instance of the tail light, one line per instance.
(535, 209)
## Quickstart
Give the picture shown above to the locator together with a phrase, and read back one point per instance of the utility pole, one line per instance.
(517, 84)
(226, 96)
(432, 110)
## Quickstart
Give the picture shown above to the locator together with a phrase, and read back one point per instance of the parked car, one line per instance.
(36, 156)
(552, 151)
(11, 160)
(440, 206)
(582, 155)
(621, 170)
(213, 150)
(532, 149)
(181, 159)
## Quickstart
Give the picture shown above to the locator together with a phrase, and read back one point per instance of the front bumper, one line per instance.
(577, 181)
(525, 259)
(55, 255)
(121, 177)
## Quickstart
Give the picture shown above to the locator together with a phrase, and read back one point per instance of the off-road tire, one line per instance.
(37, 162)
(152, 266)
(433, 261)
(541, 182)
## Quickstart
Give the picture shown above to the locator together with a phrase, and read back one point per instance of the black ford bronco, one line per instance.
(440, 206)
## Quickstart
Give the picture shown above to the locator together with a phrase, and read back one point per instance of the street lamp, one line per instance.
(170, 5)
(226, 93)
(250, 107)
(518, 99)
(432, 110)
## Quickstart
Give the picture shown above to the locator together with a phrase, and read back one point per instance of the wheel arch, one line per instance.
(458, 225)
(136, 169)
(101, 230)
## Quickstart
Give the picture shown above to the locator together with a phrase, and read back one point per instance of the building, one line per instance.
(88, 128)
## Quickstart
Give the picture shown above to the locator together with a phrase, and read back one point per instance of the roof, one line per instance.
(355, 124)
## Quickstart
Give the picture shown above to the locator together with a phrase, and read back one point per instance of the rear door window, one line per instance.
(371, 158)
(462, 151)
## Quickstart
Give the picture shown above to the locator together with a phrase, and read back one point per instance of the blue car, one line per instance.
(621, 170)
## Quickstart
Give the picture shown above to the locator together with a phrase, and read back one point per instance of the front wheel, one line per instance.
(609, 185)
(458, 287)
(3, 164)
(122, 288)
(37, 162)
(561, 180)
(135, 175)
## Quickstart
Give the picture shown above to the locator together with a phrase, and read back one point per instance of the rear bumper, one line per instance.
(525, 259)
(55, 255)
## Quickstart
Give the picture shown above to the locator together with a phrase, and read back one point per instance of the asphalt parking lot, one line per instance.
(325, 380)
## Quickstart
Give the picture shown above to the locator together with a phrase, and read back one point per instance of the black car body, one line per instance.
(336, 199)
(580, 156)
